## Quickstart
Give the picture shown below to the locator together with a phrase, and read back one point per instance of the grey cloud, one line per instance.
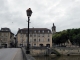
(63, 13)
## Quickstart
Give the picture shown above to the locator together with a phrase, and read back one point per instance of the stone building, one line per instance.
(6, 37)
(38, 37)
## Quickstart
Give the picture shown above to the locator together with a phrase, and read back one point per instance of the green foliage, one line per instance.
(63, 36)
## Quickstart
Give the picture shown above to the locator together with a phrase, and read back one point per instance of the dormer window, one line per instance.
(2, 29)
(34, 31)
(48, 31)
(39, 31)
(6, 30)
(43, 31)
(21, 31)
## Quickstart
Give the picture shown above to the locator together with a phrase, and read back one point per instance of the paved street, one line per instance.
(11, 54)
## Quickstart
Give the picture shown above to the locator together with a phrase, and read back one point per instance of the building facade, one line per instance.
(38, 37)
(6, 37)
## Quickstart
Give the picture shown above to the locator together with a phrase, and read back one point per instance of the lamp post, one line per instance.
(29, 13)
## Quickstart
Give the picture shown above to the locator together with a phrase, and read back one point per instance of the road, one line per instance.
(11, 54)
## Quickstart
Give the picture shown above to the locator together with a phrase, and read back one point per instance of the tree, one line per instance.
(72, 34)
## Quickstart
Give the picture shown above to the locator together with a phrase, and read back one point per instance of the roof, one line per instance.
(5, 29)
(34, 30)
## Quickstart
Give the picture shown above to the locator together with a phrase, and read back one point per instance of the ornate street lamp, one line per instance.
(29, 13)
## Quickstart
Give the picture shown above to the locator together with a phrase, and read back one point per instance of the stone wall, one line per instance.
(68, 50)
(39, 52)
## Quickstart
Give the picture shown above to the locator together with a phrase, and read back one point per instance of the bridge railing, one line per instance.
(26, 56)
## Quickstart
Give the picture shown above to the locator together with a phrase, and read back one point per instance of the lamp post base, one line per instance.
(27, 49)
(27, 52)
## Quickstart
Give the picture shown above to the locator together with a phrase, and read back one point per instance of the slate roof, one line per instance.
(34, 30)
(5, 29)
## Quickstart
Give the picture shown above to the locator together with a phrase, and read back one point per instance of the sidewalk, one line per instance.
(18, 55)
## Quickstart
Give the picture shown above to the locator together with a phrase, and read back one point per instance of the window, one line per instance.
(41, 45)
(30, 35)
(2, 30)
(48, 40)
(39, 40)
(34, 35)
(47, 45)
(34, 44)
(35, 40)
(6, 30)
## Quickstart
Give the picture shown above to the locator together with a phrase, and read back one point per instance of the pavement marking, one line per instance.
(15, 54)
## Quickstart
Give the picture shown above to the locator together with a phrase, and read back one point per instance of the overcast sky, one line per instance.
(65, 14)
